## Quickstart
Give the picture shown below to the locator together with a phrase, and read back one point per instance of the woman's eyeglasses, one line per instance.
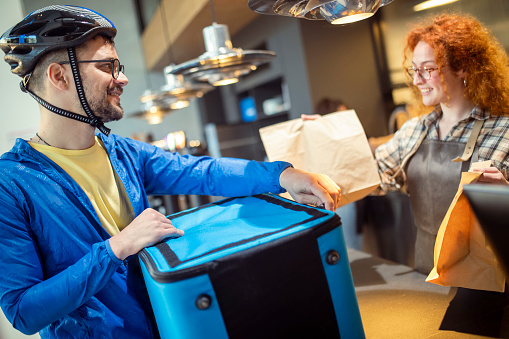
(424, 72)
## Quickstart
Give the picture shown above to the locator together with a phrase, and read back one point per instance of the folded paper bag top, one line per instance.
(334, 145)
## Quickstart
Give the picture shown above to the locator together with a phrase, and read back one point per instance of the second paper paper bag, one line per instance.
(334, 144)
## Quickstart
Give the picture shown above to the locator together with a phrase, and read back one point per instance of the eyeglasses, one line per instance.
(115, 66)
(424, 72)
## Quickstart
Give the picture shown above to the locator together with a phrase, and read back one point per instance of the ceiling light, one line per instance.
(347, 11)
(221, 64)
(333, 11)
(152, 111)
(154, 120)
(177, 92)
(180, 87)
(431, 3)
(179, 104)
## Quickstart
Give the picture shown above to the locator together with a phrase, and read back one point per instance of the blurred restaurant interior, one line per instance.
(295, 63)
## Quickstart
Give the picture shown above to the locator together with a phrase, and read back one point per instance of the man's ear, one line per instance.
(58, 77)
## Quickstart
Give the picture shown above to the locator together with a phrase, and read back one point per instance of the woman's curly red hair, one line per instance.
(461, 42)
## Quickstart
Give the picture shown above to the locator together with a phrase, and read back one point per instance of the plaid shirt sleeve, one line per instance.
(493, 142)
(390, 155)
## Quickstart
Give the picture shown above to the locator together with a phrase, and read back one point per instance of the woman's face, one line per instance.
(433, 90)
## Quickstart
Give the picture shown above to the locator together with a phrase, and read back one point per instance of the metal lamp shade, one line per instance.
(177, 92)
(334, 11)
(221, 64)
(347, 11)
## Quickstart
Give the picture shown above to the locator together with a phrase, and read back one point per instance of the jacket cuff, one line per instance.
(282, 166)
(111, 254)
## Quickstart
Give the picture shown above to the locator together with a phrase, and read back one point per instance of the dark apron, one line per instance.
(433, 177)
(433, 181)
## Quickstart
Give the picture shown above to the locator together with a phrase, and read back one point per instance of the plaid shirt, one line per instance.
(492, 143)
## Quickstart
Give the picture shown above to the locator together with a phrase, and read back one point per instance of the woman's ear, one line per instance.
(58, 77)
(461, 74)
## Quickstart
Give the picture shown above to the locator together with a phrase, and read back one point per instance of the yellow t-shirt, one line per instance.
(92, 170)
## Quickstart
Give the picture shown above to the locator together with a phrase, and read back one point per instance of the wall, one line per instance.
(341, 64)
(282, 36)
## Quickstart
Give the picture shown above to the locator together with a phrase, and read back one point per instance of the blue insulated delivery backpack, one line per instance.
(253, 267)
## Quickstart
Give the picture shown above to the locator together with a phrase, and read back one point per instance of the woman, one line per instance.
(460, 68)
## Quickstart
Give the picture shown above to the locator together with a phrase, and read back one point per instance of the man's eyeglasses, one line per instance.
(424, 72)
(115, 65)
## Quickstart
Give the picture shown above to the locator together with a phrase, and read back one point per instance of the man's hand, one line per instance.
(311, 188)
(147, 229)
(491, 175)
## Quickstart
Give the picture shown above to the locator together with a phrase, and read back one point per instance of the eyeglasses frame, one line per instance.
(112, 61)
(419, 72)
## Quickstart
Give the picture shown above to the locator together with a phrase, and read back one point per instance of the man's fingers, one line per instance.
(332, 195)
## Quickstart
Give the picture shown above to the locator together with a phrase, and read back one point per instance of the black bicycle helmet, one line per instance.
(48, 29)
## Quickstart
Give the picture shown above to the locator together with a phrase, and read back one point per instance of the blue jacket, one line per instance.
(59, 276)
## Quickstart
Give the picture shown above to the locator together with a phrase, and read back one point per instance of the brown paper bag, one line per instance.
(334, 144)
(463, 258)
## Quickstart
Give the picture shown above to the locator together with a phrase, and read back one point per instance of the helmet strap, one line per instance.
(94, 120)
(57, 110)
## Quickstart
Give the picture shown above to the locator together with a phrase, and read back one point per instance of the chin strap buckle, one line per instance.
(24, 82)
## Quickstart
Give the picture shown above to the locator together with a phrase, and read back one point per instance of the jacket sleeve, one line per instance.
(171, 173)
(30, 300)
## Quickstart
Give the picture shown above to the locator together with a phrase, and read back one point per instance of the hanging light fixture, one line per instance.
(175, 94)
(431, 3)
(221, 64)
(334, 11)
(152, 111)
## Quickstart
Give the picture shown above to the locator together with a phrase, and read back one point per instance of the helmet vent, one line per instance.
(21, 50)
(13, 65)
(64, 31)
(28, 29)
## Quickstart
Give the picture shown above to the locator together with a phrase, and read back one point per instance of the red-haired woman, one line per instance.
(458, 67)
(462, 70)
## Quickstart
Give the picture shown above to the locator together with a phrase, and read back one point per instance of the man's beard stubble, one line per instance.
(101, 107)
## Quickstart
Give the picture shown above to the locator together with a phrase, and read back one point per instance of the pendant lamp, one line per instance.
(221, 64)
(175, 94)
(152, 111)
(333, 11)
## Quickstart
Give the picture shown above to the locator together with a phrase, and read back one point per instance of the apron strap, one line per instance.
(409, 155)
(470, 146)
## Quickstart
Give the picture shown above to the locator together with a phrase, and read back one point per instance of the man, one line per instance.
(73, 204)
